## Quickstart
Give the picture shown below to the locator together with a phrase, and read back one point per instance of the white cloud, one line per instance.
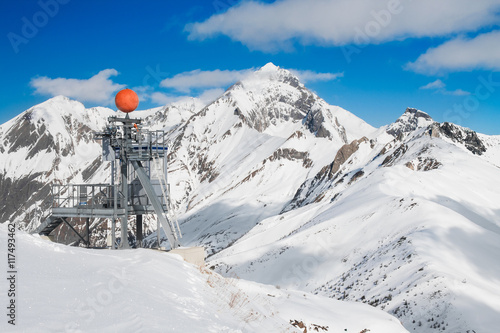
(164, 99)
(210, 95)
(440, 87)
(186, 81)
(98, 89)
(143, 92)
(277, 25)
(458, 92)
(461, 54)
(306, 76)
(198, 79)
(205, 97)
(438, 84)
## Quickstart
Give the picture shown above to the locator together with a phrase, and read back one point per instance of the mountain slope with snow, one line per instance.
(409, 226)
(67, 289)
(244, 155)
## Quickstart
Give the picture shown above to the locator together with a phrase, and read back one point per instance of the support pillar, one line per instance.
(124, 220)
(138, 228)
(88, 232)
(158, 231)
(113, 234)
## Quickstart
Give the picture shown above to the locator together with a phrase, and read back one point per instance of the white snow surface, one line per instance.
(422, 244)
(67, 289)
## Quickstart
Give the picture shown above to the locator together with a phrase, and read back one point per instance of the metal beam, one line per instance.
(88, 232)
(146, 184)
(76, 232)
(138, 230)
(124, 219)
(86, 211)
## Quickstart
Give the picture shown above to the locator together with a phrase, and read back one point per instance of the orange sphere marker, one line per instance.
(126, 100)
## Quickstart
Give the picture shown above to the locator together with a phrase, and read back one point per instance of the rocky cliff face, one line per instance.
(409, 121)
(463, 136)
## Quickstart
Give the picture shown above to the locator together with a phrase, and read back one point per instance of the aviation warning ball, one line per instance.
(126, 100)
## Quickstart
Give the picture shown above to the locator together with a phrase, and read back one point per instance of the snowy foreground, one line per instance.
(68, 289)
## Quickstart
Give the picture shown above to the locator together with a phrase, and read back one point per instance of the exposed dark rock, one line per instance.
(408, 122)
(314, 122)
(19, 194)
(464, 136)
(296, 134)
(342, 155)
(91, 169)
(44, 142)
(23, 134)
(271, 109)
(329, 172)
(356, 176)
(391, 159)
(434, 130)
(205, 169)
(424, 164)
(292, 80)
(305, 103)
(292, 155)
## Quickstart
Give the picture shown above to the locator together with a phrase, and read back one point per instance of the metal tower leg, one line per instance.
(88, 232)
(158, 236)
(124, 220)
(146, 184)
(138, 227)
(113, 234)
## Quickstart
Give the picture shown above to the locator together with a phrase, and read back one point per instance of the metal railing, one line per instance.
(101, 196)
(143, 144)
(84, 196)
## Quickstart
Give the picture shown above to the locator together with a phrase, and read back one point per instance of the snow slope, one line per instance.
(67, 289)
(241, 158)
(416, 234)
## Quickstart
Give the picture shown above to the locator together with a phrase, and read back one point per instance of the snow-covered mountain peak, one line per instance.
(57, 105)
(56, 112)
(272, 98)
(276, 73)
(269, 74)
(411, 120)
(269, 67)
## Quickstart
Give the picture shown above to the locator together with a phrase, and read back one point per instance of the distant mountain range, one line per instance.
(284, 189)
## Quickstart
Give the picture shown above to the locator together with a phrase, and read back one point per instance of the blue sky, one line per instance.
(371, 57)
